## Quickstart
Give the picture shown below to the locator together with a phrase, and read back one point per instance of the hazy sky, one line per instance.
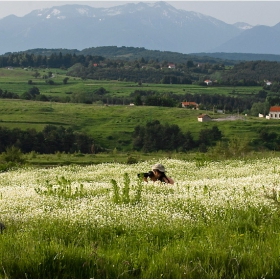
(251, 12)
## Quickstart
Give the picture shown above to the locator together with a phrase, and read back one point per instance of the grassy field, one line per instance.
(219, 220)
(112, 126)
(15, 80)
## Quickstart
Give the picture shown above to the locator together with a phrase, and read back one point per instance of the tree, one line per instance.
(36, 74)
(190, 64)
(260, 108)
(34, 91)
(13, 154)
(65, 80)
(189, 142)
(50, 82)
(208, 137)
(138, 100)
(155, 136)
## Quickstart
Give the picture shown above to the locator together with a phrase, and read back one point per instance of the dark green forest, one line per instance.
(134, 53)
(51, 140)
(155, 136)
(153, 70)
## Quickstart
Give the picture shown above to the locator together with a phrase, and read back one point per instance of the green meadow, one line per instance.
(112, 126)
(16, 80)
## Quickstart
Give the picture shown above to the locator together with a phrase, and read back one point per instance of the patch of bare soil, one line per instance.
(229, 118)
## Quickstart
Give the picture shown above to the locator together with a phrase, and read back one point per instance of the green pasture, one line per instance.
(112, 126)
(16, 80)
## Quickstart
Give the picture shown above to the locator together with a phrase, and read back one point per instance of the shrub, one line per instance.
(14, 155)
(131, 160)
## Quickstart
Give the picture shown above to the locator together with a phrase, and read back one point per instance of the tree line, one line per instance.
(50, 140)
(155, 136)
(227, 103)
(24, 59)
(151, 137)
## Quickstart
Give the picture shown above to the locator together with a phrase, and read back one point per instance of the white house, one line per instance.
(268, 83)
(204, 118)
(274, 112)
(171, 66)
(208, 82)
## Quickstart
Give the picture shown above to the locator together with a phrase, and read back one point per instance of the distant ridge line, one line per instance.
(133, 53)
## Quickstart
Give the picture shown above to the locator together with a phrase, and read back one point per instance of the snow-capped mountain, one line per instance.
(157, 26)
(243, 25)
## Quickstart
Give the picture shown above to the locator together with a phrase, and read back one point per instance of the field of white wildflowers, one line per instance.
(219, 220)
(198, 190)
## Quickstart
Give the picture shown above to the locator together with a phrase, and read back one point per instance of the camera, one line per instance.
(146, 175)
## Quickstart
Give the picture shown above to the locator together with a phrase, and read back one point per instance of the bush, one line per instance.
(131, 160)
(13, 155)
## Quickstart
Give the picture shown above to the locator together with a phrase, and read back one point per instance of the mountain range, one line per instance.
(154, 26)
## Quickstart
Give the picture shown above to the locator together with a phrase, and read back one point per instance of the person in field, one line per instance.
(159, 175)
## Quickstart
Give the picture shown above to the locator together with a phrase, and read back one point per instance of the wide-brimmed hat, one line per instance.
(159, 167)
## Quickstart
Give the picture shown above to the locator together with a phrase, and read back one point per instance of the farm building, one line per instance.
(204, 118)
(189, 105)
(208, 82)
(268, 83)
(274, 112)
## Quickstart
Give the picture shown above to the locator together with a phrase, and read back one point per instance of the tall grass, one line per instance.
(219, 220)
(243, 244)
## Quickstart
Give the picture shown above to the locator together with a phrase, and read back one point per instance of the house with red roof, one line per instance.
(274, 112)
(208, 82)
(193, 105)
(204, 118)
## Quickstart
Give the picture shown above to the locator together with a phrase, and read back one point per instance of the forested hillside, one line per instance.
(130, 54)
(133, 53)
(189, 72)
(153, 70)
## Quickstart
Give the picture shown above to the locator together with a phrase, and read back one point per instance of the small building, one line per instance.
(189, 105)
(208, 82)
(274, 112)
(268, 83)
(171, 66)
(204, 118)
